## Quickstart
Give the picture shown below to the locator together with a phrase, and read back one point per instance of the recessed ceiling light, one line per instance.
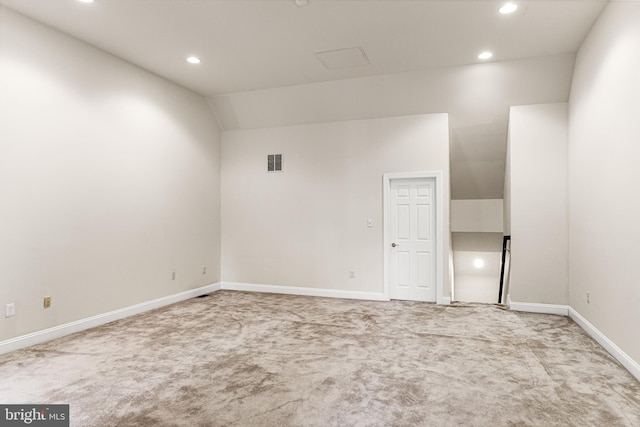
(485, 55)
(301, 3)
(193, 60)
(85, 1)
(508, 8)
(478, 263)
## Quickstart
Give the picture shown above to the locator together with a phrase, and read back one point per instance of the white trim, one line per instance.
(386, 191)
(532, 307)
(564, 310)
(80, 325)
(91, 322)
(297, 290)
(631, 365)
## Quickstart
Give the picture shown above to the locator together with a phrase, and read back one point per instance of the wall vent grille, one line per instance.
(274, 163)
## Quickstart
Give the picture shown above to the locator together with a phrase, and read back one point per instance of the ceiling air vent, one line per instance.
(274, 163)
(343, 58)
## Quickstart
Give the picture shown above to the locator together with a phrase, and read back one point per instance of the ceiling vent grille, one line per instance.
(274, 163)
(343, 58)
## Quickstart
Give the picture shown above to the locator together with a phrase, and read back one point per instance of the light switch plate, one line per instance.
(10, 310)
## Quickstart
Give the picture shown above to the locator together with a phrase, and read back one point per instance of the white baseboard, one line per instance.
(626, 361)
(296, 290)
(313, 292)
(80, 325)
(91, 322)
(532, 307)
(564, 310)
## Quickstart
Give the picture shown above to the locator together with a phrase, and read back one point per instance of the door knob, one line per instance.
(393, 245)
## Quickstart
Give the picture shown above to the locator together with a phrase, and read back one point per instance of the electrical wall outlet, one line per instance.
(47, 302)
(204, 269)
(10, 310)
(588, 298)
(173, 275)
(352, 274)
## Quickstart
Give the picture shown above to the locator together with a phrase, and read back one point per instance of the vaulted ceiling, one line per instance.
(273, 63)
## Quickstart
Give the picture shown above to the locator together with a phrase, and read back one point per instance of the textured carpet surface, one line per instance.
(242, 359)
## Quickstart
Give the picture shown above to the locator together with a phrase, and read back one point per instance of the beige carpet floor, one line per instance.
(242, 359)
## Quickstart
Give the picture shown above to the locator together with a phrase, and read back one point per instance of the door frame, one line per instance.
(439, 210)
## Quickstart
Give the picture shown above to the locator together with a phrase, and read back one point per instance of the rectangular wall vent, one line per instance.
(274, 163)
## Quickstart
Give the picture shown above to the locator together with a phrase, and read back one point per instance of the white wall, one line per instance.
(307, 226)
(480, 215)
(604, 150)
(477, 284)
(477, 287)
(476, 96)
(109, 179)
(539, 215)
(470, 92)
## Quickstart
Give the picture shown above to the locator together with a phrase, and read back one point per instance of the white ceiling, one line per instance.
(259, 65)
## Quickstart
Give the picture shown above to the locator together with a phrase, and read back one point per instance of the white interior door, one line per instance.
(412, 235)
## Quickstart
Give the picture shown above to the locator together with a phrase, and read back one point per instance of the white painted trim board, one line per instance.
(297, 290)
(564, 310)
(80, 325)
(531, 307)
(100, 319)
(631, 365)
